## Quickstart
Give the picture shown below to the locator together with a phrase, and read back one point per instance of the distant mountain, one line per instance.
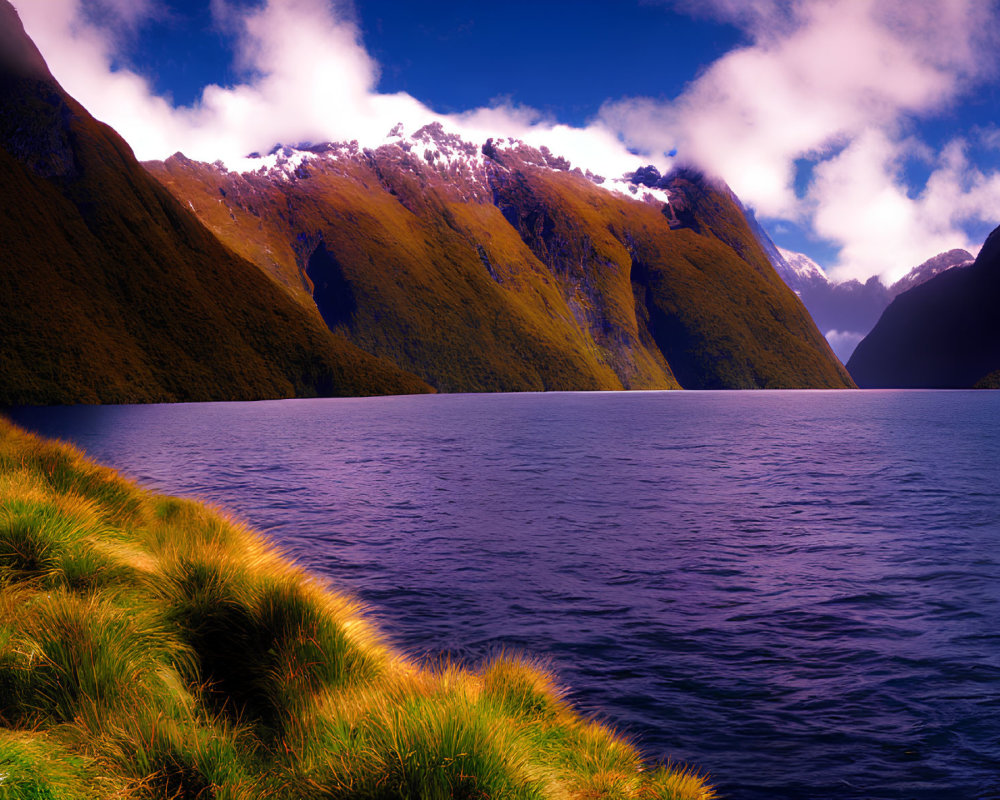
(930, 268)
(114, 292)
(496, 266)
(799, 269)
(846, 311)
(943, 333)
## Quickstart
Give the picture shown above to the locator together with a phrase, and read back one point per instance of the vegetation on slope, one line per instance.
(114, 292)
(152, 648)
(412, 256)
(517, 276)
(705, 295)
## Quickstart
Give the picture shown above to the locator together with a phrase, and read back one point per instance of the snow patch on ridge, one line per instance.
(283, 162)
(441, 148)
(447, 152)
(636, 191)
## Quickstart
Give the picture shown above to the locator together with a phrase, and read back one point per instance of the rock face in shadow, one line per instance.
(942, 334)
(115, 292)
(331, 291)
(498, 267)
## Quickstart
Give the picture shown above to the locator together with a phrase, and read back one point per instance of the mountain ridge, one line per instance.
(941, 334)
(520, 236)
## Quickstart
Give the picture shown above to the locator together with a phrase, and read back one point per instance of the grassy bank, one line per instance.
(151, 647)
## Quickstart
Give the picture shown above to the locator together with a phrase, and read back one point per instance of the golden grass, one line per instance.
(151, 647)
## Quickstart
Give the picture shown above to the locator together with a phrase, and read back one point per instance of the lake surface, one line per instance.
(799, 592)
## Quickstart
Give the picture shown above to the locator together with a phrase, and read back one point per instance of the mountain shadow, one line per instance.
(942, 334)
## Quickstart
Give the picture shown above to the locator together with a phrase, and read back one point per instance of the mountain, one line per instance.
(931, 267)
(847, 310)
(944, 333)
(496, 266)
(115, 292)
(798, 270)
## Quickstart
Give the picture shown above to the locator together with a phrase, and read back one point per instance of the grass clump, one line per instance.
(35, 767)
(152, 648)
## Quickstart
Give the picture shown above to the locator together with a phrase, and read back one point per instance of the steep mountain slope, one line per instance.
(113, 292)
(944, 333)
(847, 310)
(497, 267)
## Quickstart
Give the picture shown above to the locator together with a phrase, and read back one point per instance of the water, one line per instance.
(797, 591)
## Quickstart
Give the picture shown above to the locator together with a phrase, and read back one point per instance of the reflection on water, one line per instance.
(797, 591)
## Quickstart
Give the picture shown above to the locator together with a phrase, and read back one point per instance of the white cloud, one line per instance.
(859, 198)
(837, 82)
(843, 343)
(311, 80)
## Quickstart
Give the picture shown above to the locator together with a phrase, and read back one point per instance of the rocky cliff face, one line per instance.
(114, 292)
(496, 266)
(941, 334)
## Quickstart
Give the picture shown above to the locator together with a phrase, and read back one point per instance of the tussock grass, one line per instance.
(152, 648)
(36, 767)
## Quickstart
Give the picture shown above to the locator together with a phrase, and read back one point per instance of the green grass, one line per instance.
(151, 647)
(33, 766)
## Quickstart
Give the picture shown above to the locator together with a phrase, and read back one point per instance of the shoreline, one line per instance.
(159, 648)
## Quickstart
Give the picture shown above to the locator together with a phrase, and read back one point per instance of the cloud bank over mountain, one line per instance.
(810, 121)
(307, 75)
(834, 87)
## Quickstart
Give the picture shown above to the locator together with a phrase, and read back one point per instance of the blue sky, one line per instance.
(563, 58)
(862, 131)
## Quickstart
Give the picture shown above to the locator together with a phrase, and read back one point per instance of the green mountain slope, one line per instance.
(499, 268)
(113, 292)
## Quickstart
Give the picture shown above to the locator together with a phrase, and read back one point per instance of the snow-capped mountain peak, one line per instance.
(446, 153)
(804, 269)
(930, 268)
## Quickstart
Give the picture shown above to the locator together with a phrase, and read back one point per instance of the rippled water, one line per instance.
(797, 591)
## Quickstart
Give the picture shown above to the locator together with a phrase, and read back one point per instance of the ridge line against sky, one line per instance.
(861, 131)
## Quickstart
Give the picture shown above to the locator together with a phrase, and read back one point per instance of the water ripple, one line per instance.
(796, 591)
